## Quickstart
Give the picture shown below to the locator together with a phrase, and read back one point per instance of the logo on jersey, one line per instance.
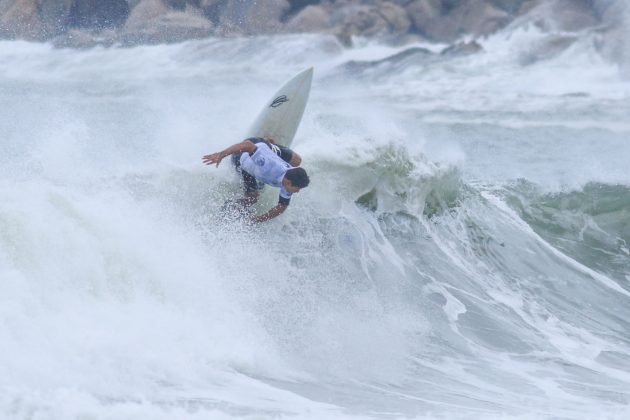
(260, 161)
(279, 101)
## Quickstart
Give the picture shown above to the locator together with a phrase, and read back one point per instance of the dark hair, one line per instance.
(298, 177)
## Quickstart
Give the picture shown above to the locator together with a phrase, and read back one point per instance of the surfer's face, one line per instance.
(290, 187)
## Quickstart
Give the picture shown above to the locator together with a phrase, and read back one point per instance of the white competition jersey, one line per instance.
(267, 167)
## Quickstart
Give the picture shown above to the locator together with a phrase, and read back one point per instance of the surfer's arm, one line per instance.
(274, 212)
(244, 146)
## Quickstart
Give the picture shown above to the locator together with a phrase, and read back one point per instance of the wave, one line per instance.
(416, 274)
(591, 225)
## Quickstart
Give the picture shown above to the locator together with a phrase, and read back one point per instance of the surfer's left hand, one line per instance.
(213, 158)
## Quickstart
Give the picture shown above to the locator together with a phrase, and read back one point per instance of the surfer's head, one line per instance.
(295, 179)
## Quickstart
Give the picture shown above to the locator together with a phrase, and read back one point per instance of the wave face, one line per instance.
(462, 251)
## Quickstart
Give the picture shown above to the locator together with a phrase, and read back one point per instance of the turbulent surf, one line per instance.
(462, 250)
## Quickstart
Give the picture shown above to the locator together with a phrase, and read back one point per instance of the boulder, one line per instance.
(359, 20)
(478, 18)
(426, 16)
(85, 38)
(561, 15)
(310, 19)
(153, 21)
(21, 19)
(396, 16)
(461, 49)
(444, 21)
(410, 56)
(55, 14)
(211, 9)
(348, 18)
(98, 14)
(251, 17)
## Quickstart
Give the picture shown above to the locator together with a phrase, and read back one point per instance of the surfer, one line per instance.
(260, 162)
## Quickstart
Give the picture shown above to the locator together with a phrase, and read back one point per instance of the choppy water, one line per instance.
(462, 251)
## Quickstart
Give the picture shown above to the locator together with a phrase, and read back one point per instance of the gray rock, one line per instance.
(426, 16)
(21, 19)
(410, 55)
(447, 21)
(211, 9)
(251, 17)
(462, 49)
(358, 19)
(85, 38)
(55, 14)
(561, 15)
(310, 19)
(152, 21)
(348, 18)
(478, 18)
(397, 17)
(96, 14)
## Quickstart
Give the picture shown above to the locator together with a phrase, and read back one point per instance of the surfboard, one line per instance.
(280, 117)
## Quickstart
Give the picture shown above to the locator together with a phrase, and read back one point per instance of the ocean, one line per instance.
(462, 251)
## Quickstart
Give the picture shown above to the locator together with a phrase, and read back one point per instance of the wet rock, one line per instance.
(426, 16)
(461, 49)
(381, 18)
(211, 9)
(561, 15)
(55, 15)
(85, 38)
(478, 18)
(310, 19)
(153, 21)
(98, 14)
(21, 19)
(415, 54)
(251, 17)
(346, 19)
(447, 21)
(412, 57)
(359, 19)
(396, 16)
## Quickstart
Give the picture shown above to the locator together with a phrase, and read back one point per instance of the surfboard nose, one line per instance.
(307, 74)
(280, 118)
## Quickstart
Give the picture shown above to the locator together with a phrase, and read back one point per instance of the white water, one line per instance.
(466, 292)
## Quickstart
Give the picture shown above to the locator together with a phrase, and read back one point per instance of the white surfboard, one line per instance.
(281, 116)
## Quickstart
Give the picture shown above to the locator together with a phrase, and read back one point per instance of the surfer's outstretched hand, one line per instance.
(213, 158)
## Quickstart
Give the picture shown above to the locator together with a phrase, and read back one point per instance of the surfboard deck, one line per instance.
(280, 117)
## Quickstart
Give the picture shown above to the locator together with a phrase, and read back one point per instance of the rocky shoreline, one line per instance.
(86, 23)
